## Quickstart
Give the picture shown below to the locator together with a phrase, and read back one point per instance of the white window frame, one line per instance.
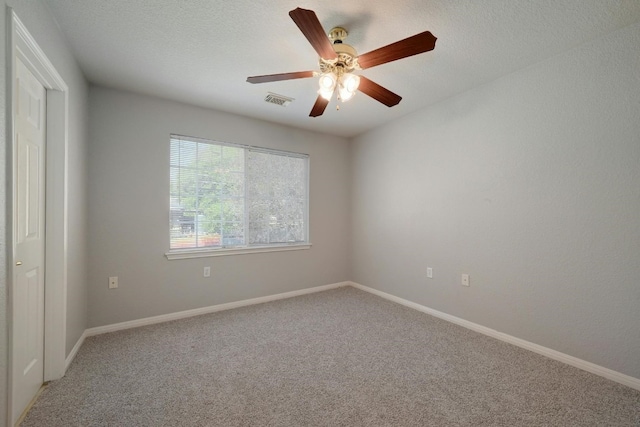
(174, 254)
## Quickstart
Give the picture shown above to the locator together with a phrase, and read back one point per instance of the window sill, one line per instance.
(208, 252)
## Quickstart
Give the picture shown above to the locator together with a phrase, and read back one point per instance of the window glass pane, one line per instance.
(187, 188)
(187, 154)
(174, 156)
(209, 234)
(232, 233)
(232, 159)
(258, 233)
(233, 210)
(296, 232)
(232, 184)
(208, 157)
(298, 177)
(219, 192)
(259, 210)
(211, 209)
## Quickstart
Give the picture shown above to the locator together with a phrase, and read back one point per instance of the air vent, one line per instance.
(274, 98)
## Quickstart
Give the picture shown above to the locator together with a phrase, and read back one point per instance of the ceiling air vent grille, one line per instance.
(274, 98)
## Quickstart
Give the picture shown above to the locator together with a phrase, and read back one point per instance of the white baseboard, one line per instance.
(206, 310)
(552, 354)
(74, 351)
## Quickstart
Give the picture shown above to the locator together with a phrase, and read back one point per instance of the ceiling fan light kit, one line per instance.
(339, 60)
(337, 72)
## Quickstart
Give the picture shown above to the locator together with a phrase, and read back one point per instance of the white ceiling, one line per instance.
(201, 51)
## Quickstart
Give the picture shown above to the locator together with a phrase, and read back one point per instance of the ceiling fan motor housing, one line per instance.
(338, 34)
(347, 59)
(343, 48)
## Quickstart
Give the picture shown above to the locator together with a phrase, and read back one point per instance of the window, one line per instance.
(230, 196)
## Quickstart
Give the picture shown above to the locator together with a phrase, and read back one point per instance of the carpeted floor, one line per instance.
(336, 358)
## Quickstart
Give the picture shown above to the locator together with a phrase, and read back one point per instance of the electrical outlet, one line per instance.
(113, 282)
(207, 271)
(465, 280)
(430, 272)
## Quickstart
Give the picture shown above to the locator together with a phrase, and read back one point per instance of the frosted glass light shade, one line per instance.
(327, 83)
(348, 86)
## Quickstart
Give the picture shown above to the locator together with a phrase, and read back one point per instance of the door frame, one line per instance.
(24, 46)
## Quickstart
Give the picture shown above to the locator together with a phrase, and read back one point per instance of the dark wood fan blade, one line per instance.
(310, 26)
(378, 93)
(281, 76)
(410, 46)
(318, 107)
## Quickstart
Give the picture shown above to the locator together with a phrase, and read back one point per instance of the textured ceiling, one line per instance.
(201, 51)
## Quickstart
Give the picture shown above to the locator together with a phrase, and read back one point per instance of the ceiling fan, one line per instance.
(339, 60)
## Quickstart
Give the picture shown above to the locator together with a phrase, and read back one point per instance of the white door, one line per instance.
(28, 283)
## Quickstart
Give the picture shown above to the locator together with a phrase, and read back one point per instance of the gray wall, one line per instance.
(531, 184)
(129, 200)
(44, 29)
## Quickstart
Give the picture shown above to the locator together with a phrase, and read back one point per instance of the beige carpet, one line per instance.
(337, 358)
